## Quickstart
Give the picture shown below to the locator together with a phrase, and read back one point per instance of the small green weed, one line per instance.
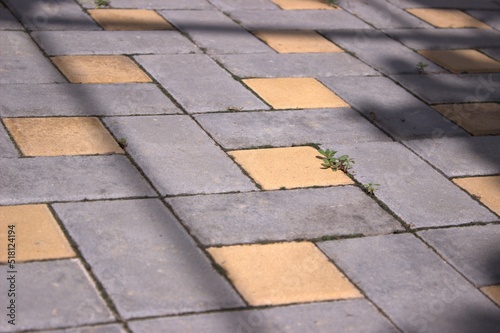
(370, 188)
(122, 142)
(101, 3)
(421, 67)
(343, 162)
(332, 3)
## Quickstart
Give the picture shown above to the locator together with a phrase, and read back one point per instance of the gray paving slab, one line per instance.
(345, 316)
(167, 273)
(153, 4)
(494, 53)
(113, 42)
(412, 285)
(382, 14)
(297, 20)
(8, 21)
(410, 187)
(446, 39)
(294, 65)
(456, 4)
(7, 148)
(453, 88)
(215, 32)
(40, 100)
(199, 84)
(52, 15)
(381, 52)
(111, 328)
(22, 62)
(230, 5)
(473, 251)
(490, 17)
(178, 156)
(282, 215)
(472, 156)
(52, 294)
(68, 178)
(392, 108)
(288, 128)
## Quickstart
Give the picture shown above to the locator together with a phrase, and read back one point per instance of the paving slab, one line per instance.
(178, 156)
(447, 18)
(412, 189)
(462, 61)
(23, 62)
(67, 178)
(296, 41)
(493, 292)
(412, 285)
(294, 65)
(381, 52)
(490, 17)
(452, 88)
(113, 42)
(52, 15)
(168, 276)
(381, 14)
(8, 21)
(288, 128)
(472, 156)
(111, 328)
(40, 100)
(304, 5)
(473, 251)
(153, 4)
(475, 118)
(446, 39)
(297, 20)
(129, 19)
(231, 5)
(485, 189)
(391, 108)
(354, 315)
(7, 148)
(199, 84)
(54, 294)
(288, 215)
(214, 32)
(460, 4)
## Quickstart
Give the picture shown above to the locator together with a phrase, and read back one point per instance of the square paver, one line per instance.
(38, 236)
(294, 93)
(168, 276)
(303, 4)
(492, 292)
(129, 19)
(290, 167)
(462, 61)
(61, 136)
(289, 41)
(447, 18)
(54, 294)
(100, 69)
(472, 250)
(283, 273)
(475, 118)
(486, 189)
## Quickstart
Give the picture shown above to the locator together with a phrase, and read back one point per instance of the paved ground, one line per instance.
(159, 167)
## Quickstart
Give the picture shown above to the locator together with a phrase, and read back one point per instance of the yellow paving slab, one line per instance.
(290, 167)
(295, 93)
(447, 18)
(283, 273)
(462, 61)
(475, 118)
(303, 4)
(129, 19)
(486, 189)
(61, 136)
(492, 292)
(37, 234)
(294, 41)
(100, 69)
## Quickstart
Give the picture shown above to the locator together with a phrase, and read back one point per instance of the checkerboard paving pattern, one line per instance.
(294, 93)
(283, 273)
(57, 136)
(38, 236)
(129, 19)
(290, 167)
